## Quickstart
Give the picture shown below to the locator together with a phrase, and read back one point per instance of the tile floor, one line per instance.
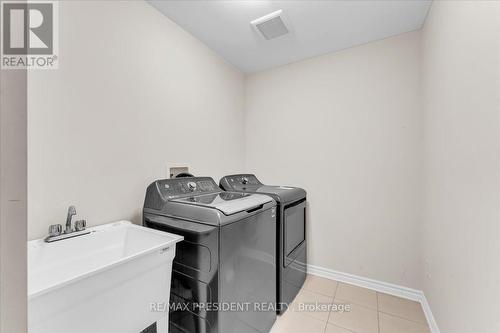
(369, 312)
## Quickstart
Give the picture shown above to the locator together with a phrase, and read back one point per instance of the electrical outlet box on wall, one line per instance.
(176, 168)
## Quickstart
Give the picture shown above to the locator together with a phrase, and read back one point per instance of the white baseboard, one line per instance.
(428, 314)
(383, 287)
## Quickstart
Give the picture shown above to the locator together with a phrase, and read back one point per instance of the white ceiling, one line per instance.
(317, 27)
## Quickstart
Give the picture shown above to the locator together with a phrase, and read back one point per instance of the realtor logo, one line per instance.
(29, 34)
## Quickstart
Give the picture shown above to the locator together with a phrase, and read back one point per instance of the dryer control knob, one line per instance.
(191, 186)
(244, 180)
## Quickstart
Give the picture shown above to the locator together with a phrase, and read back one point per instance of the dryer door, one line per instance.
(294, 230)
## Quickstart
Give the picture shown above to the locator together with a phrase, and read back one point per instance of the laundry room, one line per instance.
(250, 166)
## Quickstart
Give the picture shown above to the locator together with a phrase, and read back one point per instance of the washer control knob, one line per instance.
(244, 180)
(191, 186)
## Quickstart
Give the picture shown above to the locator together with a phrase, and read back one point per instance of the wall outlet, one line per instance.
(174, 171)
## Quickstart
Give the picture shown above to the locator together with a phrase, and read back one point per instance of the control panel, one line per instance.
(182, 186)
(239, 181)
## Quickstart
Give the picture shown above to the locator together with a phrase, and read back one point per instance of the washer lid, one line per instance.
(227, 202)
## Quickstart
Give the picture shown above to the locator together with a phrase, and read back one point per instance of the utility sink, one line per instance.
(114, 279)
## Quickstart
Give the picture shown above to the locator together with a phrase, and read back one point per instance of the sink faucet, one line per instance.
(56, 233)
(71, 213)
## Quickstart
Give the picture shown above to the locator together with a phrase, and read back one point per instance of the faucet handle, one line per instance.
(55, 230)
(80, 225)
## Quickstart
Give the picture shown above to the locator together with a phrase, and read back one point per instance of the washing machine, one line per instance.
(223, 278)
(291, 265)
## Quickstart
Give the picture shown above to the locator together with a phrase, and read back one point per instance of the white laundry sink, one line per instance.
(107, 281)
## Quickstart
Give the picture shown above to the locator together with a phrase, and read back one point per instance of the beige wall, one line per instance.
(461, 225)
(345, 126)
(133, 92)
(13, 201)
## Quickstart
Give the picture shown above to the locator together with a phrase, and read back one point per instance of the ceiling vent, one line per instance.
(271, 25)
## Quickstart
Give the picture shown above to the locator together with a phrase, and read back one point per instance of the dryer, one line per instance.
(291, 232)
(227, 258)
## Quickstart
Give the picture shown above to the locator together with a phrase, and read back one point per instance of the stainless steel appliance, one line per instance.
(291, 234)
(227, 258)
